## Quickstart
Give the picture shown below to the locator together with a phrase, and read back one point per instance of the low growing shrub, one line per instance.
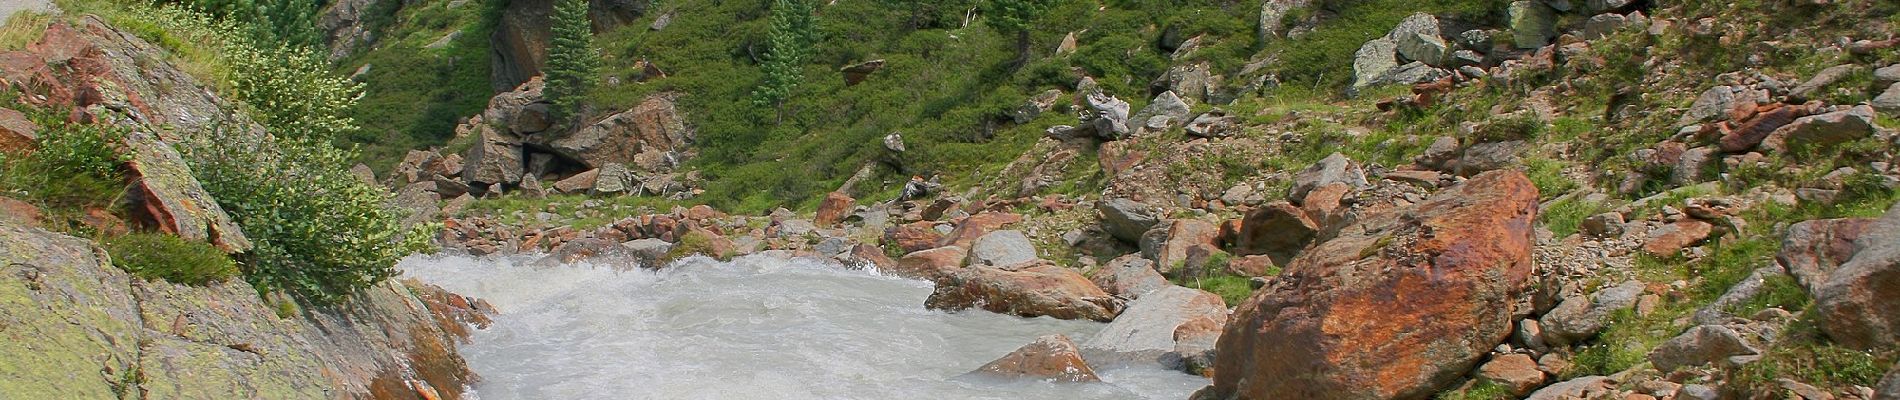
(168, 257)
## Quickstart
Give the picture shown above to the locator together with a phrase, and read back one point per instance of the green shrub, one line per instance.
(168, 257)
(76, 167)
(1483, 390)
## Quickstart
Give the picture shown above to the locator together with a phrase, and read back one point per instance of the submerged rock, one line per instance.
(1051, 357)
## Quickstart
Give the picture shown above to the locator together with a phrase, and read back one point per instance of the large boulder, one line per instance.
(1278, 230)
(1579, 318)
(1126, 219)
(494, 159)
(833, 209)
(1168, 242)
(1108, 117)
(1166, 111)
(1700, 345)
(165, 195)
(1144, 332)
(1812, 250)
(1033, 289)
(975, 226)
(915, 236)
(1050, 357)
(1889, 385)
(1418, 39)
(1328, 327)
(651, 136)
(930, 264)
(1373, 60)
(1823, 130)
(1859, 305)
(1129, 277)
(1533, 23)
(1005, 247)
(1335, 168)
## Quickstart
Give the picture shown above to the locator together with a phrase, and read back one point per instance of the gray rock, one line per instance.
(795, 228)
(1823, 130)
(1710, 104)
(1411, 73)
(1335, 168)
(1588, 387)
(1489, 156)
(1694, 165)
(1888, 101)
(1468, 59)
(1189, 81)
(1890, 385)
(1441, 152)
(833, 246)
(1700, 345)
(614, 178)
(1129, 277)
(1887, 75)
(1604, 5)
(1533, 24)
(1716, 312)
(1108, 117)
(1213, 124)
(1168, 105)
(1273, 15)
(1002, 248)
(1530, 334)
(1145, 331)
(1697, 392)
(1418, 39)
(494, 159)
(1577, 318)
(1476, 40)
(1036, 106)
(1605, 225)
(1599, 26)
(1823, 79)
(1373, 60)
(1126, 219)
(648, 251)
(1859, 306)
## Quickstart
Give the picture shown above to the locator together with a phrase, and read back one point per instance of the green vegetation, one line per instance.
(1232, 289)
(573, 63)
(77, 167)
(319, 232)
(788, 45)
(166, 256)
(1481, 390)
(1564, 216)
(1015, 18)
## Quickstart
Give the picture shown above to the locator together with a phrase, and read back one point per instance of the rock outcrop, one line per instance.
(1328, 328)
(521, 35)
(1859, 305)
(80, 328)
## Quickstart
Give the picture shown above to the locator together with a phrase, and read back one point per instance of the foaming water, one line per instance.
(753, 328)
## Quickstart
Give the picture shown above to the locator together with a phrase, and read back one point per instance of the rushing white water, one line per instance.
(753, 328)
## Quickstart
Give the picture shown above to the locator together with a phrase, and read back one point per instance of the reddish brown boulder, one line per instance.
(1051, 357)
(579, 183)
(833, 210)
(102, 221)
(1812, 250)
(1516, 372)
(1668, 239)
(930, 264)
(869, 256)
(17, 133)
(1129, 277)
(1278, 231)
(1750, 132)
(1167, 244)
(913, 237)
(20, 212)
(1033, 289)
(1251, 266)
(1859, 304)
(1324, 204)
(1398, 310)
(975, 226)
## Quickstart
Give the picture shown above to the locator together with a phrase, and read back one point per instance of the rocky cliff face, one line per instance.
(74, 327)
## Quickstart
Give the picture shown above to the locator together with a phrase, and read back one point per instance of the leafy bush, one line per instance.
(319, 232)
(168, 257)
(76, 167)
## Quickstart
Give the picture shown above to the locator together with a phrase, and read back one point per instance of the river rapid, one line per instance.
(754, 328)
